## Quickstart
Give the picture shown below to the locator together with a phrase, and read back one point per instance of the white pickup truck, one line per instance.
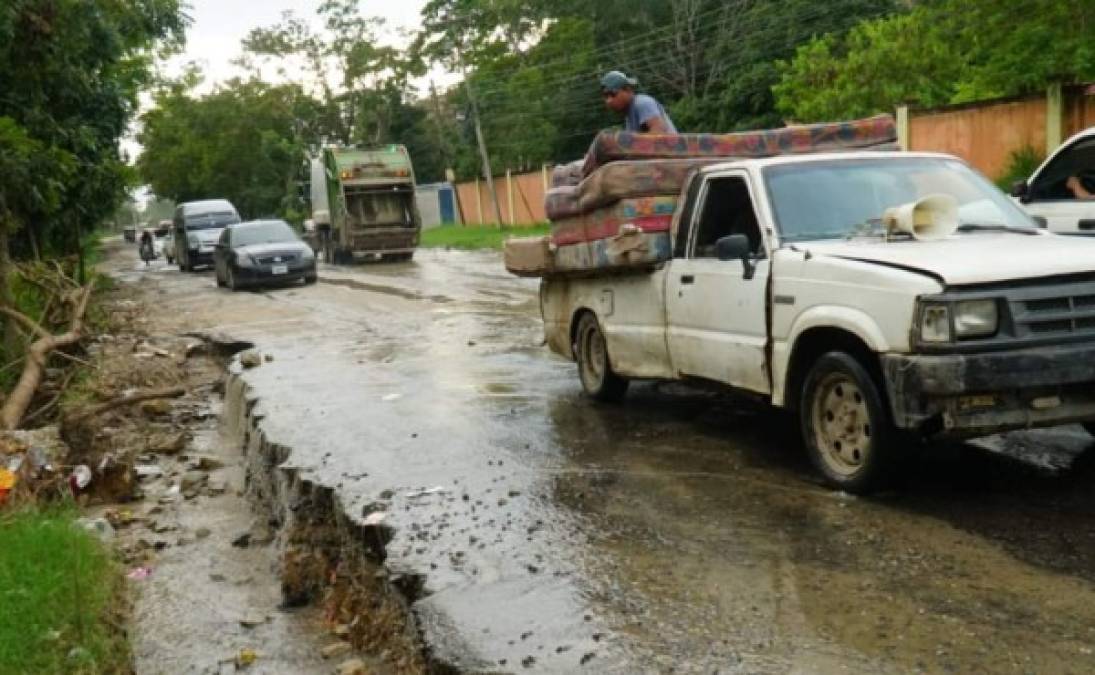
(797, 279)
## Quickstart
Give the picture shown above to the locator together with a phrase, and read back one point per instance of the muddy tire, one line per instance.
(846, 426)
(1089, 427)
(230, 278)
(217, 276)
(594, 365)
(310, 279)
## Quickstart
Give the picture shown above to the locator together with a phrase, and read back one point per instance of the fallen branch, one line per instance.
(38, 354)
(122, 401)
(53, 401)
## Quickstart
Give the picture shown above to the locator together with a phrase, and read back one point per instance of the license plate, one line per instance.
(280, 269)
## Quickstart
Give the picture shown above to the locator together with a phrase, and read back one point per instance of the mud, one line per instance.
(680, 532)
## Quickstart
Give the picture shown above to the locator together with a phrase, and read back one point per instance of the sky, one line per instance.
(218, 26)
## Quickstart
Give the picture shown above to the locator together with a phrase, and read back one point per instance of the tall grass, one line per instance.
(58, 592)
(472, 237)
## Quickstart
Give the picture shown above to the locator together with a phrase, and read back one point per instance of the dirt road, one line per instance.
(681, 532)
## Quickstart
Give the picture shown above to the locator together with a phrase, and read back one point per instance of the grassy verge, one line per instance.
(473, 237)
(59, 590)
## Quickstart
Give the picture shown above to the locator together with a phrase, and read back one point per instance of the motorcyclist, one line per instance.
(146, 249)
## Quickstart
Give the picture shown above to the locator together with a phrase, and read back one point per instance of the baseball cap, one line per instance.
(614, 80)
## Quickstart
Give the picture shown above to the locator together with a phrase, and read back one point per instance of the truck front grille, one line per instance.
(1058, 310)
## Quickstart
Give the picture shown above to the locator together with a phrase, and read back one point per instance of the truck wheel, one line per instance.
(846, 426)
(594, 368)
(1089, 427)
(230, 278)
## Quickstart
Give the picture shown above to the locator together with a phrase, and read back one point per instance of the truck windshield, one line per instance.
(844, 198)
(210, 221)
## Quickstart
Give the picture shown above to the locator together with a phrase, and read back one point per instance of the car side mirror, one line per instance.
(736, 247)
(1020, 189)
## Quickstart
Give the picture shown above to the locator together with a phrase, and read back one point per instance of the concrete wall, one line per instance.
(525, 192)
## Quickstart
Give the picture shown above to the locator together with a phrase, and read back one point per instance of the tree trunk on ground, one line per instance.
(38, 354)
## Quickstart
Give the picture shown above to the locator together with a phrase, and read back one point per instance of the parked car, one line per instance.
(262, 252)
(129, 233)
(1061, 193)
(197, 227)
(879, 296)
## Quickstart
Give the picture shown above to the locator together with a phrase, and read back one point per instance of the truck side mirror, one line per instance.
(1020, 189)
(736, 247)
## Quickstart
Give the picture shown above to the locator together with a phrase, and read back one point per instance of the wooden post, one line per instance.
(509, 196)
(1054, 117)
(478, 201)
(543, 172)
(903, 127)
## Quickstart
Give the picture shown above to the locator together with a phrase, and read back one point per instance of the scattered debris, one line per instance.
(253, 620)
(100, 527)
(335, 650)
(139, 573)
(352, 667)
(246, 657)
(251, 359)
(242, 541)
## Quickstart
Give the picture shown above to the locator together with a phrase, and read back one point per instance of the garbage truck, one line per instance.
(363, 204)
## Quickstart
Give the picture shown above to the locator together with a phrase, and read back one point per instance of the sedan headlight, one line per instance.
(975, 318)
(935, 323)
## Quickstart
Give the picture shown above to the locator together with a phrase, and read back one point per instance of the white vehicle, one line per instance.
(197, 227)
(1048, 196)
(878, 295)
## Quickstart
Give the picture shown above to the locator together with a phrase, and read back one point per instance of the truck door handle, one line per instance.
(688, 279)
(1087, 225)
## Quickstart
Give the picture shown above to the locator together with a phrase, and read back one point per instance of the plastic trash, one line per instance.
(139, 573)
(100, 527)
(82, 476)
(7, 483)
(246, 657)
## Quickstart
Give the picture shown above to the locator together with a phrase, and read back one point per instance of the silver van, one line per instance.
(197, 226)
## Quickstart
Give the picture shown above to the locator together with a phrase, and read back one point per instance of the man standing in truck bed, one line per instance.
(642, 113)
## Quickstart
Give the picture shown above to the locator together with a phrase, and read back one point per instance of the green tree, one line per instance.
(245, 142)
(71, 72)
(944, 51)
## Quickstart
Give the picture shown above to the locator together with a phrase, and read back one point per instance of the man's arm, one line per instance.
(1078, 189)
(649, 114)
(656, 125)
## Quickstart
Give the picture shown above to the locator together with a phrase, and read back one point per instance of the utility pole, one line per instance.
(483, 156)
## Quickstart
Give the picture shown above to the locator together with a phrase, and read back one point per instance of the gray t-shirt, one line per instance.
(643, 109)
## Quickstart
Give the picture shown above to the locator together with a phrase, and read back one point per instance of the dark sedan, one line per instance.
(262, 252)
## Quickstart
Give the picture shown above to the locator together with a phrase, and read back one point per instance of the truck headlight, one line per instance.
(975, 318)
(935, 323)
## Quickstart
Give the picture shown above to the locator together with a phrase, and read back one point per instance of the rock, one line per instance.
(268, 358)
(250, 359)
(205, 463)
(168, 444)
(156, 408)
(335, 650)
(341, 630)
(262, 536)
(193, 479)
(242, 541)
(202, 532)
(217, 577)
(352, 667)
(160, 528)
(253, 620)
(216, 487)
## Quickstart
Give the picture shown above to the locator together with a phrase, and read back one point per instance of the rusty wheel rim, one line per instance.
(842, 424)
(593, 356)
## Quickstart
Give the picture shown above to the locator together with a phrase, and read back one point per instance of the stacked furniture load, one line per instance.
(614, 209)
